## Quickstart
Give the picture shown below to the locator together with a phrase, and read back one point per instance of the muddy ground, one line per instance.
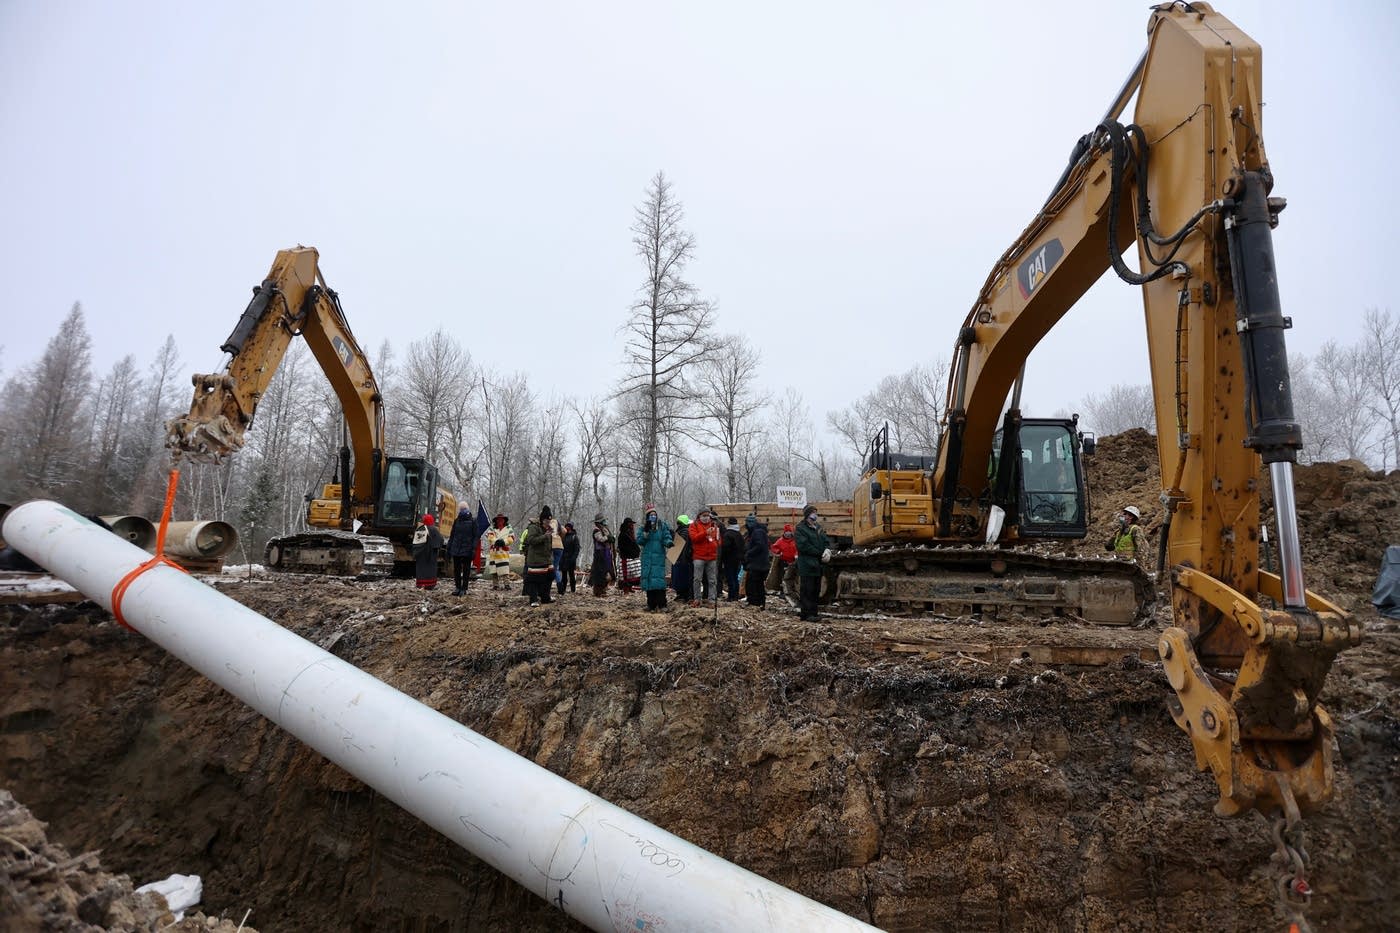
(897, 770)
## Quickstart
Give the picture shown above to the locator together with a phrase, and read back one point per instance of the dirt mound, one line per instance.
(915, 774)
(1347, 514)
(43, 888)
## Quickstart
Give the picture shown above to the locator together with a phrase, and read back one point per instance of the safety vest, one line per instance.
(1127, 541)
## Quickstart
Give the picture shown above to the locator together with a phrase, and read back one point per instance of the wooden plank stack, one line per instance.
(835, 515)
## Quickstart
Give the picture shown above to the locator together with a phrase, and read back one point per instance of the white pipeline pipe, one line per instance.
(200, 539)
(597, 862)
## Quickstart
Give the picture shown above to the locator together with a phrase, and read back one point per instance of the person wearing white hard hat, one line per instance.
(1129, 541)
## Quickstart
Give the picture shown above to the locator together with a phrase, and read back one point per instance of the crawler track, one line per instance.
(331, 553)
(958, 580)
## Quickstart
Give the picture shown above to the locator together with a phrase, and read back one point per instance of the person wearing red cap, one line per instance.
(427, 542)
(782, 576)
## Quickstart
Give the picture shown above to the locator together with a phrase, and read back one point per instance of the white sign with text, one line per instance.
(792, 497)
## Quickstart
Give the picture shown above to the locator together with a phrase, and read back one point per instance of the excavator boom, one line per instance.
(363, 520)
(1188, 182)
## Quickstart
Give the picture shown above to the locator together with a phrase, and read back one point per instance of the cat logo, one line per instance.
(1037, 266)
(342, 350)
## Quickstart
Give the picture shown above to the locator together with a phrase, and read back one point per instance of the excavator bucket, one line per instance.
(215, 425)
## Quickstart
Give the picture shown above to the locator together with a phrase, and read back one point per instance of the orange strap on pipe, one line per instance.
(119, 590)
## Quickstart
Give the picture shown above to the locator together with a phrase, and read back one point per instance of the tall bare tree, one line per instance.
(1341, 373)
(113, 421)
(731, 402)
(594, 424)
(1380, 350)
(161, 399)
(791, 427)
(45, 438)
(509, 406)
(668, 327)
(437, 384)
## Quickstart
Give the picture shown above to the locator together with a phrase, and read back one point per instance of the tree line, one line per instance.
(1346, 397)
(688, 422)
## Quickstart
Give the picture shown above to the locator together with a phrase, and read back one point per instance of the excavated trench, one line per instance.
(918, 775)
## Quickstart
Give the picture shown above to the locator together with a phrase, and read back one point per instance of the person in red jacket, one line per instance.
(784, 568)
(704, 545)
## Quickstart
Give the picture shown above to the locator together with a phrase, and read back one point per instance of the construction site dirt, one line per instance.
(918, 774)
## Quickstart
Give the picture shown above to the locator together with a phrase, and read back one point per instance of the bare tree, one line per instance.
(1380, 359)
(44, 411)
(730, 403)
(594, 425)
(436, 386)
(668, 326)
(113, 420)
(1120, 408)
(509, 405)
(791, 427)
(161, 400)
(911, 403)
(1341, 374)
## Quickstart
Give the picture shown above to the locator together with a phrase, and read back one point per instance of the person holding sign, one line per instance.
(813, 550)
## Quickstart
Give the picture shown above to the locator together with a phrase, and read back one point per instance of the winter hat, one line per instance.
(569, 525)
(808, 510)
(427, 519)
(546, 514)
(787, 528)
(600, 519)
(751, 521)
(649, 507)
(733, 523)
(682, 519)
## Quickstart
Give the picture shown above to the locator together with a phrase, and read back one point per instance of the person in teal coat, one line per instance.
(655, 539)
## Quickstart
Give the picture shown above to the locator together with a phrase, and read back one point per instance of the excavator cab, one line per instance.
(1042, 489)
(409, 492)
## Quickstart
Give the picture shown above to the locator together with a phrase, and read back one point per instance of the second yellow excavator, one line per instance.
(1188, 183)
(363, 522)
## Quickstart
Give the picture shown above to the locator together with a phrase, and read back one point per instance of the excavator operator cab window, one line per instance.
(1052, 503)
(399, 502)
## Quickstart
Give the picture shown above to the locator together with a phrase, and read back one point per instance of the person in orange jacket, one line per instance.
(704, 545)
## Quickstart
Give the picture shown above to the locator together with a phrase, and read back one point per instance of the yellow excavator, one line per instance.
(363, 521)
(1188, 182)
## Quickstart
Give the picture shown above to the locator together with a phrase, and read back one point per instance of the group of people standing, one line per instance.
(636, 557)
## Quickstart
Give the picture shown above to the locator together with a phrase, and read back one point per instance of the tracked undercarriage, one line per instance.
(332, 553)
(959, 580)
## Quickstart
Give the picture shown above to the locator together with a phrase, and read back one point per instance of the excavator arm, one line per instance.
(1189, 183)
(293, 300)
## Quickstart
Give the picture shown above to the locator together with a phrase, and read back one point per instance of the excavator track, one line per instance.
(961, 580)
(331, 553)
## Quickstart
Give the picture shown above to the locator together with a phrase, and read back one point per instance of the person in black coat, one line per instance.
(731, 557)
(568, 564)
(756, 561)
(427, 541)
(629, 557)
(461, 547)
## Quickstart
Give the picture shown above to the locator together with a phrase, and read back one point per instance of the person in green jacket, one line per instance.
(539, 558)
(813, 550)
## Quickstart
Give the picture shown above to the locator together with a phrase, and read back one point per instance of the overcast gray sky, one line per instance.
(850, 171)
